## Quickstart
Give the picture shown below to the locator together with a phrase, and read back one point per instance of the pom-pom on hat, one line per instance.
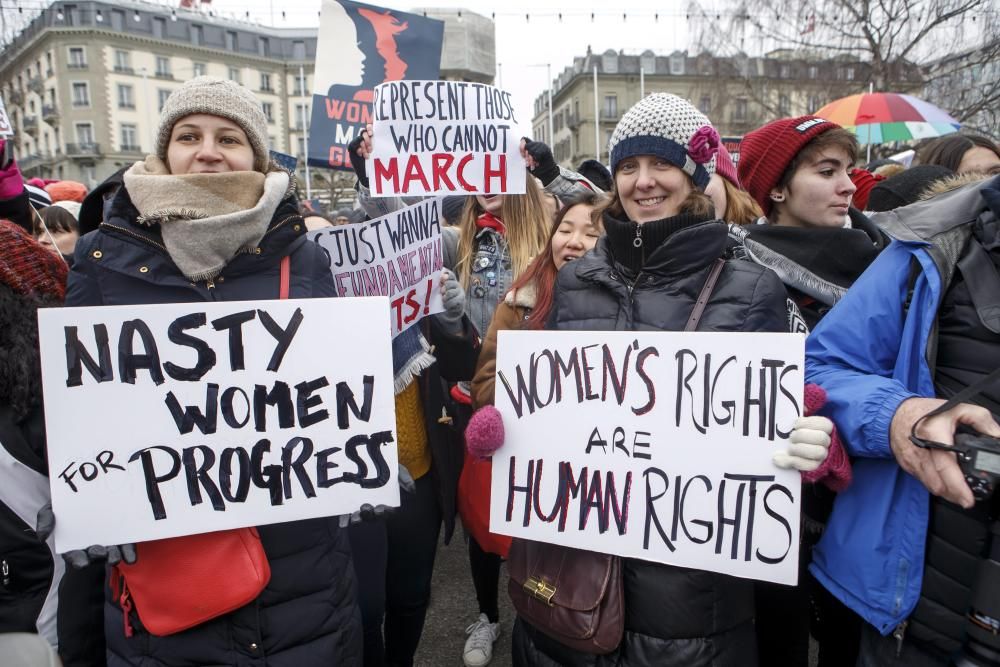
(671, 128)
(216, 97)
(766, 153)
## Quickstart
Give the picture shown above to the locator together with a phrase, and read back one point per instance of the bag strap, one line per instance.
(286, 274)
(961, 397)
(705, 295)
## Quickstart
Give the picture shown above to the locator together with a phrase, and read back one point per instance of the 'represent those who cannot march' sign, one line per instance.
(442, 137)
(397, 255)
(654, 446)
(176, 419)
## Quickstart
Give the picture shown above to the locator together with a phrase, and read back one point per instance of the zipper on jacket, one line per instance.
(899, 634)
(637, 241)
(140, 237)
(5, 571)
(210, 284)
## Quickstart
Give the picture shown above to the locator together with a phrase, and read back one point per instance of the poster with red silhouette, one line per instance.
(360, 46)
(397, 255)
(444, 137)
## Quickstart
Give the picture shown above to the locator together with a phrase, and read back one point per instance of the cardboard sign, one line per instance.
(359, 47)
(652, 445)
(176, 419)
(444, 137)
(6, 129)
(398, 256)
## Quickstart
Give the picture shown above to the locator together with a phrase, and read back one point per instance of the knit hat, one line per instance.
(864, 181)
(38, 198)
(71, 206)
(66, 191)
(28, 268)
(668, 127)
(216, 97)
(725, 167)
(596, 173)
(766, 153)
(905, 187)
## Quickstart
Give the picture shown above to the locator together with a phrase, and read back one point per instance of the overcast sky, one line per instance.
(524, 47)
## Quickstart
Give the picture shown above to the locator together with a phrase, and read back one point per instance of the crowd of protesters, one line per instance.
(893, 271)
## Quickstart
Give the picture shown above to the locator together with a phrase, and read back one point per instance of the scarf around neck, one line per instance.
(205, 219)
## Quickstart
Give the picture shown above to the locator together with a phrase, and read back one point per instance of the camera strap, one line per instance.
(961, 397)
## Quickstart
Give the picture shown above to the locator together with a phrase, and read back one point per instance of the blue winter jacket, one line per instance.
(870, 356)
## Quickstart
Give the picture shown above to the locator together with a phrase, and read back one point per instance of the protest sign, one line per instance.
(652, 445)
(175, 419)
(398, 256)
(6, 129)
(360, 46)
(442, 137)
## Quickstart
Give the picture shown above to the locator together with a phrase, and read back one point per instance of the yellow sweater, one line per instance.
(411, 432)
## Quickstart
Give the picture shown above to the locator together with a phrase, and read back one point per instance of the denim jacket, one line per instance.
(490, 276)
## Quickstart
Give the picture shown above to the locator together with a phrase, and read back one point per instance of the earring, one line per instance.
(778, 198)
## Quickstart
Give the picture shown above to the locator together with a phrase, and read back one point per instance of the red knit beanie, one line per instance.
(864, 181)
(28, 268)
(766, 153)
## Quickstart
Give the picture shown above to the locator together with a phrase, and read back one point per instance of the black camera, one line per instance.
(978, 456)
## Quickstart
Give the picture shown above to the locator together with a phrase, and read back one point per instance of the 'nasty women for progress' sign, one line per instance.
(652, 445)
(175, 419)
(442, 137)
(397, 255)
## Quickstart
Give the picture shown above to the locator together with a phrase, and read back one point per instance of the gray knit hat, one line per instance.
(217, 97)
(669, 127)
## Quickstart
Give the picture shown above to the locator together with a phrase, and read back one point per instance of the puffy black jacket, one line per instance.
(308, 613)
(673, 616)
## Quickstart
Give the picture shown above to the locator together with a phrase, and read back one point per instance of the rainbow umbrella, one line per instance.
(878, 118)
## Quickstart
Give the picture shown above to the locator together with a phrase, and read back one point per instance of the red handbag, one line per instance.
(181, 582)
(474, 505)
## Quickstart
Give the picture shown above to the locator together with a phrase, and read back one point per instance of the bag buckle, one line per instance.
(540, 590)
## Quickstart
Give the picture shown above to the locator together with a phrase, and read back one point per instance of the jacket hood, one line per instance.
(524, 297)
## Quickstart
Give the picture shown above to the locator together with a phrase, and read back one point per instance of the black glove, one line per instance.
(358, 162)
(546, 169)
(6, 153)
(81, 558)
(370, 512)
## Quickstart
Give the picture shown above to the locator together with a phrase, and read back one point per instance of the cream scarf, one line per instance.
(205, 219)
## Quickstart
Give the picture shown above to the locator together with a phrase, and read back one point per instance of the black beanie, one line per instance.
(905, 187)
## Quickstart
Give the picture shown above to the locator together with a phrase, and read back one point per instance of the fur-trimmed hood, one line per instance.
(951, 183)
(526, 297)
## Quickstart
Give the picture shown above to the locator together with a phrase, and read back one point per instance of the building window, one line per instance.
(159, 27)
(648, 63)
(199, 69)
(126, 99)
(130, 140)
(163, 67)
(814, 104)
(609, 63)
(265, 83)
(123, 61)
(677, 64)
(301, 113)
(231, 40)
(85, 134)
(813, 72)
(161, 98)
(610, 109)
(268, 109)
(849, 74)
(300, 86)
(705, 104)
(785, 71)
(77, 57)
(197, 35)
(264, 47)
(117, 20)
(81, 94)
(302, 148)
(298, 50)
(740, 112)
(234, 74)
(784, 106)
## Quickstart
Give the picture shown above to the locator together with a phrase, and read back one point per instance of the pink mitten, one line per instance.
(835, 472)
(484, 434)
(11, 184)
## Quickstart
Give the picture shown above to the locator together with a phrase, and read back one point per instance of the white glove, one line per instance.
(808, 444)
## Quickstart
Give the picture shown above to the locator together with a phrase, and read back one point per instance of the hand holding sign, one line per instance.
(442, 137)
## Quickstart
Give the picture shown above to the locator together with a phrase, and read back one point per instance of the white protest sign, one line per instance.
(6, 129)
(175, 419)
(652, 445)
(442, 137)
(398, 256)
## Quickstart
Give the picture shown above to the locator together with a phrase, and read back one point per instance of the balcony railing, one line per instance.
(50, 112)
(77, 65)
(129, 148)
(164, 75)
(29, 124)
(36, 84)
(83, 150)
(122, 69)
(16, 97)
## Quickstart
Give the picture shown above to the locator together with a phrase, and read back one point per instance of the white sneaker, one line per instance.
(479, 646)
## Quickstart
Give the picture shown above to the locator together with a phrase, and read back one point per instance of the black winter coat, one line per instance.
(307, 614)
(673, 615)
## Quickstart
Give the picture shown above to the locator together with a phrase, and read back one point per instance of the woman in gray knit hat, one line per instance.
(661, 252)
(208, 218)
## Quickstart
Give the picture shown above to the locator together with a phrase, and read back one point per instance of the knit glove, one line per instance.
(11, 183)
(81, 558)
(808, 445)
(834, 470)
(452, 296)
(541, 163)
(484, 435)
(358, 162)
(369, 512)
